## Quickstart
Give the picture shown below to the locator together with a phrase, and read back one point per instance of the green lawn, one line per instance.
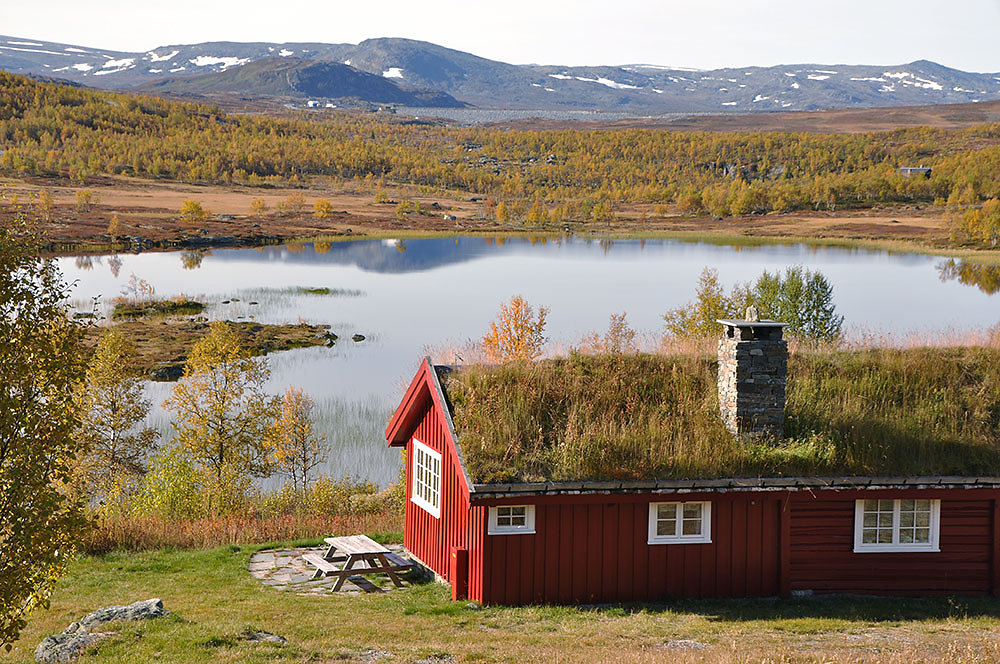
(214, 600)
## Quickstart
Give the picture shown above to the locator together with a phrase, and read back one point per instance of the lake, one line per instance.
(408, 296)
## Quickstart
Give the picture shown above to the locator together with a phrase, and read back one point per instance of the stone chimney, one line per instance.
(753, 370)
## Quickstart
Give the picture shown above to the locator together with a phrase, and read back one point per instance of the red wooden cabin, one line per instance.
(592, 542)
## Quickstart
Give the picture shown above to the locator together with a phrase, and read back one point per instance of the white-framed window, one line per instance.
(896, 525)
(680, 523)
(512, 520)
(426, 474)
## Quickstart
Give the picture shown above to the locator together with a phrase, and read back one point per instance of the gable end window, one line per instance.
(896, 525)
(426, 478)
(511, 520)
(680, 523)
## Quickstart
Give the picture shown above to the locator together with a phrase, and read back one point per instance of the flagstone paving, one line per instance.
(285, 569)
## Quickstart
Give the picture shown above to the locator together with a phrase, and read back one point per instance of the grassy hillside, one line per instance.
(52, 130)
(876, 412)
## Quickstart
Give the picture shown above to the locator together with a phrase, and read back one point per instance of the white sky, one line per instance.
(694, 33)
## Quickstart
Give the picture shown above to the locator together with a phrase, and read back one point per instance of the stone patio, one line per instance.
(284, 569)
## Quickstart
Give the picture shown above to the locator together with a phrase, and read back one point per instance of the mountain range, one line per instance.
(416, 73)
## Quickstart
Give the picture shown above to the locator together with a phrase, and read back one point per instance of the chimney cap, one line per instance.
(750, 323)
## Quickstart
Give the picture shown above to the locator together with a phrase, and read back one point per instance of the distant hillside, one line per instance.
(640, 89)
(543, 178)
(295, 77)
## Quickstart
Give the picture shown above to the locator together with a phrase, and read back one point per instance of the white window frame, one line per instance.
(704, 537)
(415, 497)
(933, 546)
(527, 529)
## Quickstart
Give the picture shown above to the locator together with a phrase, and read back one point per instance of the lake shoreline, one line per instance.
(901, 246)
(149, 219)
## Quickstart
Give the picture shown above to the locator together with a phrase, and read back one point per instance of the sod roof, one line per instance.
(642, 418)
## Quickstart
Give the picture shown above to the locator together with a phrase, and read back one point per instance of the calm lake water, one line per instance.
(406, 296)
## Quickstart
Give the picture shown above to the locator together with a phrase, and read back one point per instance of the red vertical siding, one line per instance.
(589, 549)
(430, 539)
(823, 558)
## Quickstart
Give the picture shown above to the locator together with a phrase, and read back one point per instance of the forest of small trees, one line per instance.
(548, 176)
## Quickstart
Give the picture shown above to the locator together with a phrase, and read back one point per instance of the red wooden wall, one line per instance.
(590, 549)
(428, 538)
(822, 543)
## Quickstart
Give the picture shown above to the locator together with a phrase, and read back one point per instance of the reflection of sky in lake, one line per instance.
(428, 292)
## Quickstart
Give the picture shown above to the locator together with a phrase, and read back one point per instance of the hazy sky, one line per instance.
(694, 33)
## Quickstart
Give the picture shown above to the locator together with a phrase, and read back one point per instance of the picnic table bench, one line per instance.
(359, 555)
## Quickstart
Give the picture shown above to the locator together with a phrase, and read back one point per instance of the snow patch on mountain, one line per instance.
(225, 61)
(153, 57)
(32, 50)
(607, 82)
(924, 83)
(601, 80)
(393, 72)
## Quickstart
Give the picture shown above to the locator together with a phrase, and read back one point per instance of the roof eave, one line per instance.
(731, 484)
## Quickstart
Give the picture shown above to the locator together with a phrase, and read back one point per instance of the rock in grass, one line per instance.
(76, 638)
(67, 646)
(263, 637)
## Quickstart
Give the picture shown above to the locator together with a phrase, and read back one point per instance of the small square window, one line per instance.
(680, 523)
(511, 520)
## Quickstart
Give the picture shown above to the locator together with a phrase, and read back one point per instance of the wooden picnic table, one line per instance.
(360, 555)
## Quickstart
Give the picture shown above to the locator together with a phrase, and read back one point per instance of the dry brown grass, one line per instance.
(147, 533)
(869, 411)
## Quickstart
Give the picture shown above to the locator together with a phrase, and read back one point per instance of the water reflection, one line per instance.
(115, 265)
(192, 258)
(984, 277)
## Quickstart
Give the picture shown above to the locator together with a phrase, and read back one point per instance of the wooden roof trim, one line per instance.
(395, 432)
(488, 491)
(425, 384)
(442, 403)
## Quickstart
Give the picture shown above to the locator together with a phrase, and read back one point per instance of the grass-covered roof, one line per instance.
(925, 411)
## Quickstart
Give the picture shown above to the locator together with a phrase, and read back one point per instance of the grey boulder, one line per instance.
(76, 638)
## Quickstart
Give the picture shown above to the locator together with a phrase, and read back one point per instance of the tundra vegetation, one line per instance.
(919, 411)
(538, 177)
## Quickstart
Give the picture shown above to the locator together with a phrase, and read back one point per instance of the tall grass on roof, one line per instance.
(605, 417)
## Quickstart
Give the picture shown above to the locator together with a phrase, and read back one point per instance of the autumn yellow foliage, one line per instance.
(518, 333)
